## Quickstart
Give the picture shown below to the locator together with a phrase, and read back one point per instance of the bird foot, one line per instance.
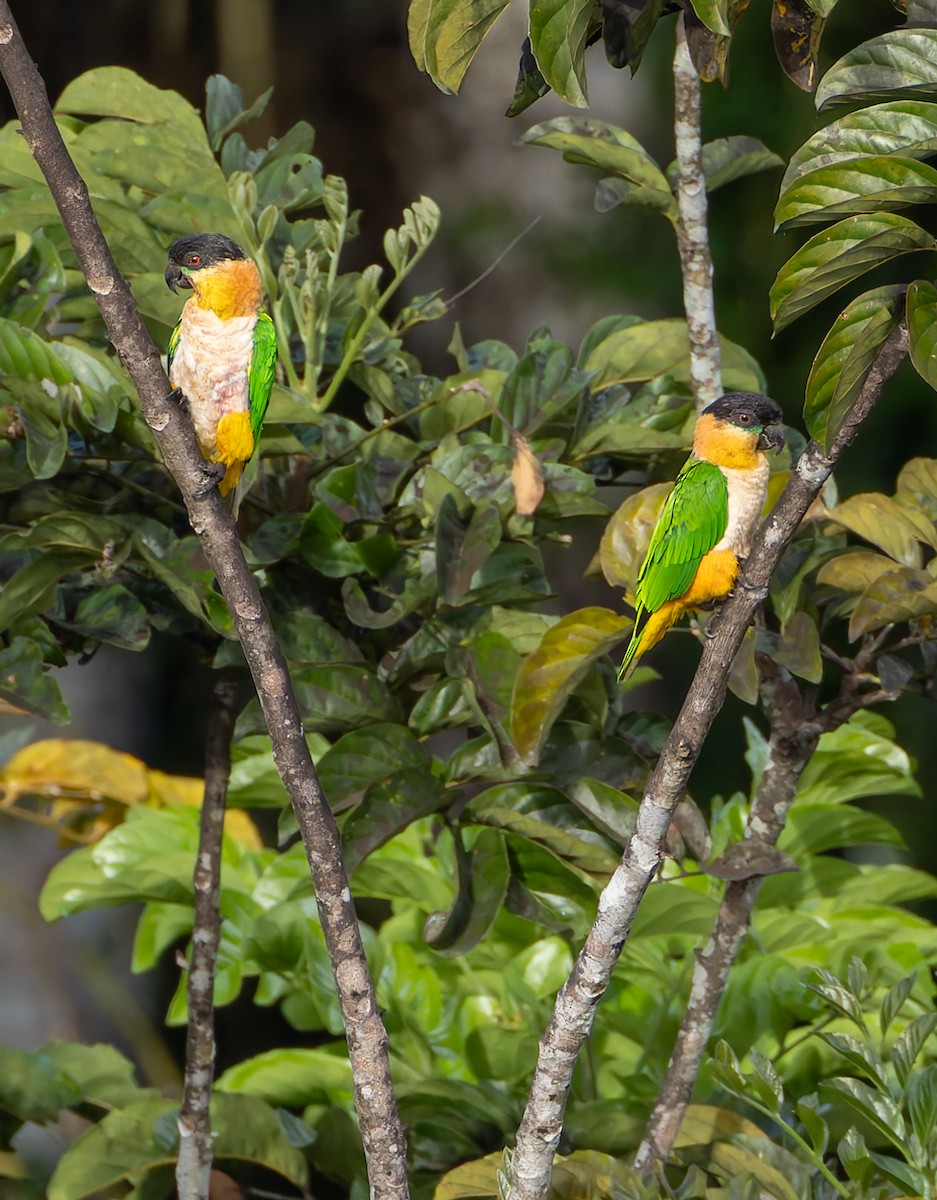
(179, 396)
(212, 475)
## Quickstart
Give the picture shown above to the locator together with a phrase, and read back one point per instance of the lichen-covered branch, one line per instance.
(542, 1124)
(696, 266)
(381, 1130)
(193, 1168)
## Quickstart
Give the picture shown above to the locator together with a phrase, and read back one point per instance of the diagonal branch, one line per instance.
(796, 728)
(193, 1169)
(571, 1023)
(381, 1130)
(696, 264)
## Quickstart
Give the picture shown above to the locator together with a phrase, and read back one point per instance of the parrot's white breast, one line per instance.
(747, 491)
(211, 366)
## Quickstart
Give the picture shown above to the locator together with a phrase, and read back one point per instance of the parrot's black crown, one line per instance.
(748, 410)
(197, 251)
(753, 412)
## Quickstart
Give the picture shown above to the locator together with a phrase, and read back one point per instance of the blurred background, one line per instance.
(346, 68)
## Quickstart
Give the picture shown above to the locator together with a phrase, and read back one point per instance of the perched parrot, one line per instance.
(707, 521)
(223, 350)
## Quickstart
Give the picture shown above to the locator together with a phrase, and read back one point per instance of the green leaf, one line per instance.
(293, 1078)
(322, 544)
(595, 143)
(33, 1087)
(332, 698)
(808, 1111)
(861, 1056)
(112, 615)
(558, 33)
(854, 186)
(873, 1106)
(530, 85)
(818, 828)
(483, 877)
(103, 1076)
(124, 1144)
(548, 675)
(838, 255)
(909, 1044)
(922, 328)
(854, 571)
(651, 348)
(122, 93)
(730, 158)
(907, 127)
(898, 63)
(25, 684)
(445, 36)
(389, 806)
(149, 857)
(463, 547)
(366, 756)
(894, 1001)
(845, 358)
(713, 14)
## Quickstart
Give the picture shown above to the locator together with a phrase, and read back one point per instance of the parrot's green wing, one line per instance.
(262, 371)
(692, 521)
(173, 344)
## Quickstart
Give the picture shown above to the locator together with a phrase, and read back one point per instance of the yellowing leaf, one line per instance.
(628, 534)
(478, 1178)
(546, 677)
(84, 788)
(855, 571)
(705, 1123)
(894, 597)
(879, 520)
(526, 476)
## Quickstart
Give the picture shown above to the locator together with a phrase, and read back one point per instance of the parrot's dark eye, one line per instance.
(194, 260)
(745, 418)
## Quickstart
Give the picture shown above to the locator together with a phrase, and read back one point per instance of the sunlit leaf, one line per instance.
(845, 358)
(896, 64)
(444, 37)
(922, 328)
(595, 143)
(838, 255)
(907, 127)
(853, 186)
(548, 675)
(558, 32)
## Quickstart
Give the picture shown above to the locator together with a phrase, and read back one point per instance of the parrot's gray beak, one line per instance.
(176, 278)
(772, 438)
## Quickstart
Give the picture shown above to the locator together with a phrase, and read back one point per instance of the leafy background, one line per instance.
(413, 600)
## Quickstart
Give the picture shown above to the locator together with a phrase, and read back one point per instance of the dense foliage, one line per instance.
(482, 758)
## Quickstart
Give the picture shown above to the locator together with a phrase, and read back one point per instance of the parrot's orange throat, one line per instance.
(232, 289)
(726, 445)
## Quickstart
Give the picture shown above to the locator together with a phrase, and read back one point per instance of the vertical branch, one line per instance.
(193, 1170)
(382, 1133)
(696, 266)
(542, 1125)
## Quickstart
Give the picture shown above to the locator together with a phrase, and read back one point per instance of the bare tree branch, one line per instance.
(542, 1123)
(696, 266)
(193, 1169)
(381, 1130)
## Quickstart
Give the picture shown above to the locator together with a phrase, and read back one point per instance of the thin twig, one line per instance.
(696, 265)
(542, 1124)
(193, 1168)
(381, 1131)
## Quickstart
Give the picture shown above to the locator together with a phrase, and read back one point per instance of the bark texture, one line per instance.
(696, 265)
(193, 1169)
(381, 1130)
